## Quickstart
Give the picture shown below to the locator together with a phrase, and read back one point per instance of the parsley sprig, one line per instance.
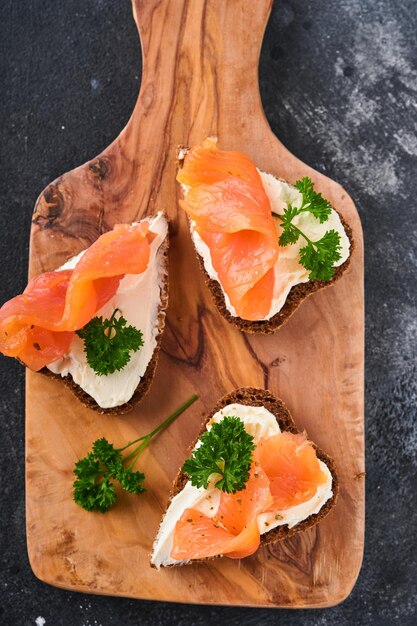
(109, 343)
(225, 455)
(94, 489)
(319, 256)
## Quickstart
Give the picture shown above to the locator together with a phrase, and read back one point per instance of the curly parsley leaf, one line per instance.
(225, 453)
(94, 488)
(312, 201)
(131, 481)
(106, 452)
(319, 256)
(108, 343)
(290, 233)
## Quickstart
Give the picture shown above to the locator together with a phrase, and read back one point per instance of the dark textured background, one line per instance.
(338, 82)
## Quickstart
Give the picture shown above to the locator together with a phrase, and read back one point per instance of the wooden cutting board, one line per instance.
(200, 77)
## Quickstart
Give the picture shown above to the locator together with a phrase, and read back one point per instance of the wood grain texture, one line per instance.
(200, 64)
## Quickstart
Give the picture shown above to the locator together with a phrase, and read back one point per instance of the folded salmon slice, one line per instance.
(200, 537)
(293, 469)
(37, 326)
(234, 529)
(231, 212)
(285, 472)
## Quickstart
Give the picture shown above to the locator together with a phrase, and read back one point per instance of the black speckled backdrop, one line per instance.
(339, 84)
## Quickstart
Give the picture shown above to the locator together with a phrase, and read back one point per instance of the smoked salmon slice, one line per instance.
(236, 508)
(293, 469)
(230, 210)
(233, 530)
(285, 472)
(37, 326)
(200, 537)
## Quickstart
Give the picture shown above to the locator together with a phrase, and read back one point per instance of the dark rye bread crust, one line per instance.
(146, 380)
(252, 396)
(296, 296)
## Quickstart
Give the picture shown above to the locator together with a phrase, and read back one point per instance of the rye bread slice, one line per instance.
(146, 380)
(253, 396)
(296, 296)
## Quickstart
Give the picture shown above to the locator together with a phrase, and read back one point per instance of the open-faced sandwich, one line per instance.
(253, 479)
(264, 245)
(96, 322)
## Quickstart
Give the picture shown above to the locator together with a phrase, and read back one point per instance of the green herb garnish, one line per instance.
(108, 343)
(225, 453)
(94, 487)
(319, 256)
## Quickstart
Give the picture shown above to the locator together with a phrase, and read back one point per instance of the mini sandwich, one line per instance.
(263, 244)
(96, 322)
(252, 479)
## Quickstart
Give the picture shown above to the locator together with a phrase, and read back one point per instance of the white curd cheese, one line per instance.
(259, 422)
(138, 299)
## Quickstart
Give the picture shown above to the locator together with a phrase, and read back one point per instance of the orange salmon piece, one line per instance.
(231, 212)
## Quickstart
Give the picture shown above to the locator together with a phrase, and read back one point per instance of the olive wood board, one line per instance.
(200, 78)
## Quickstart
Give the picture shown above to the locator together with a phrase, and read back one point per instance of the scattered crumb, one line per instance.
(407, 140)
(338, 66)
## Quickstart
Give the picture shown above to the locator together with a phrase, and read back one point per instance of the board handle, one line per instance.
(201, 57)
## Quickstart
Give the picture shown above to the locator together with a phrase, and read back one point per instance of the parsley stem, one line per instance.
(174, 415)
(146, 438)
(126, 458)
(138, 451)
(110, 332)
(300, 232)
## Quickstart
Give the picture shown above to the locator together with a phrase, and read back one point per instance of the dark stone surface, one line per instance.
(338, 82)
